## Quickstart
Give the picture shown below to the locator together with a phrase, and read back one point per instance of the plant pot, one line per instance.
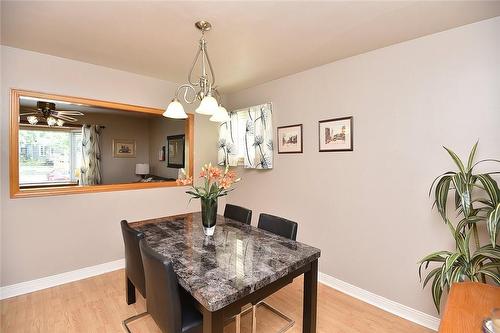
(208, 215)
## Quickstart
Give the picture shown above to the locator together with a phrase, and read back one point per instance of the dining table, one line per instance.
(237, 266)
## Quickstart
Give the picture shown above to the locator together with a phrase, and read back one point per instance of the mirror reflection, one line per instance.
(70, 144)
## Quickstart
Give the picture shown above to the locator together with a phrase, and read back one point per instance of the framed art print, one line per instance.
(290, 139)
(123, 148)
(336, 134)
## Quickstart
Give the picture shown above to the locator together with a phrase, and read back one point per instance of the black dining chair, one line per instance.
(243, 215)
(168, 304)
(238, 213)
(278, 225)
(134, 271)
(287, 229)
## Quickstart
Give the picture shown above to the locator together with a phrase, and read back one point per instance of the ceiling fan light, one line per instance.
(32, 120)
(175, 110)
(221, 115)
(51, 121)
(60, 122)
(208, 106)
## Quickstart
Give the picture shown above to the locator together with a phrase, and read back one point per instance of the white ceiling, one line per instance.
(250, 43)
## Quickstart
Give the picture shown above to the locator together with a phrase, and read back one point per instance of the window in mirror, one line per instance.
(49, 156)
(74, 143)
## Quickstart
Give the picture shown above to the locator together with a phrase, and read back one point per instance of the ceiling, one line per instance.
(250, 43)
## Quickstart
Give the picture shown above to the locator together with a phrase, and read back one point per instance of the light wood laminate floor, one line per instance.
(98, 304)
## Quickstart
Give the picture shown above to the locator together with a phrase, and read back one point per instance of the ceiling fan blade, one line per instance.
(28, 114)
(65, 118)
(69, 112)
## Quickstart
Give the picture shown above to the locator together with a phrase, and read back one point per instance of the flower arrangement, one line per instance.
(217, 182)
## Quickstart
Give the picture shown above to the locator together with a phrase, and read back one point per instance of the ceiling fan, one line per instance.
(47, 111)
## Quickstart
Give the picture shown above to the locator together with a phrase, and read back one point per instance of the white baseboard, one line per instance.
(383, 303)
(55, 280)
(361, 294)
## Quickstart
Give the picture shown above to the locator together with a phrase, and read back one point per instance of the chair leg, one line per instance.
(290, 321)
(130, 319)
(238, 323)
(130, 289)
(254, 318)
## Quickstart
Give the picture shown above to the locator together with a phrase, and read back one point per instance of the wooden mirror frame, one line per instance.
(17, 192)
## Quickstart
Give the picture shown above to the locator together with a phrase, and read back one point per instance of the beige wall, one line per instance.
(50, 235)
(368, 210)
(158, 133)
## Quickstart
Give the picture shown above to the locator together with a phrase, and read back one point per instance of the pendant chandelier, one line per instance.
(203, 89)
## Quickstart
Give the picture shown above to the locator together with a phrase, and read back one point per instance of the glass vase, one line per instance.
(208, 215)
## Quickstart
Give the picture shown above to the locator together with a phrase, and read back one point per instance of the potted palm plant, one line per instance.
(216, 183)
(476, 201)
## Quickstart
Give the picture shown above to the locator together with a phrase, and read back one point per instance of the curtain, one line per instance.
(91, 155)
(228, 141)
(248, 137)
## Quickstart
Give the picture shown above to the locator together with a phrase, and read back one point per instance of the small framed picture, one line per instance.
(175, 151)
(290, 139)
(336, 134)
(123, 148)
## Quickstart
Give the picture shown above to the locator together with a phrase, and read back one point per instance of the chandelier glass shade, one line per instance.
(32, 120)
(51, 121)
(208, 105)
(175, 110)
(221, 115)
(202, 89)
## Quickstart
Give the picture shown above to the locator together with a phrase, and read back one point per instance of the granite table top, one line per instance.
(237, 260)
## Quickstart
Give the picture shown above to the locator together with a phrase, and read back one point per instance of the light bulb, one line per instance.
(220, 115)
(60, 122)
(175, 110)
(51, 121)
(208, 105)
(32, 120)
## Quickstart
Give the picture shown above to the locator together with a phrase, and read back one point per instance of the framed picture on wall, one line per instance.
(290, 139)
(336, 134)
(175, 151)
(123, 148)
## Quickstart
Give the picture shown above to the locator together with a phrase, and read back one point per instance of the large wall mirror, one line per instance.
(62, 145)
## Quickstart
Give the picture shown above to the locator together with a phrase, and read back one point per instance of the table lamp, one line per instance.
(142, 169)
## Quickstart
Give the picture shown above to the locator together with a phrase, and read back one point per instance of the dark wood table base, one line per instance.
(213, 322)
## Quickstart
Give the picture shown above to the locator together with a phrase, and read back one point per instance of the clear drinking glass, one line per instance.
(495, 318)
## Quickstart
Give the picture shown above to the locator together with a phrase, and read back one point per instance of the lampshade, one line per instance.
(60, 122)
(220, 115)
(208, 105)
(142, 169)
(175, 110)
(51, 121)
